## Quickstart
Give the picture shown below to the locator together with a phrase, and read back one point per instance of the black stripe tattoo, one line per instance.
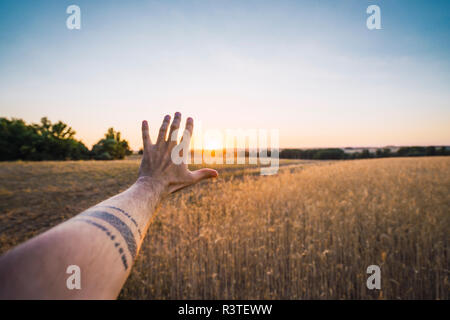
(119, 225)
(111, 236)
(126, 214)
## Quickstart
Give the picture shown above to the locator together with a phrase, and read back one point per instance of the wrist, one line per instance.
(151, 185)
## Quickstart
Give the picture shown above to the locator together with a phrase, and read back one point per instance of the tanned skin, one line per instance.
(103, 240)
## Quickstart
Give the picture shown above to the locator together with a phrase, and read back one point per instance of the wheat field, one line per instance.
(309, 232)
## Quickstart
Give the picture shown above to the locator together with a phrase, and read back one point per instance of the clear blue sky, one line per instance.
(311, 69)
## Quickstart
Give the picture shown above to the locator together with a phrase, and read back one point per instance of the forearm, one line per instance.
(103, 241)
(135, 206)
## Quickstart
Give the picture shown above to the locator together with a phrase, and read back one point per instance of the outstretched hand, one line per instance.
(157, 163)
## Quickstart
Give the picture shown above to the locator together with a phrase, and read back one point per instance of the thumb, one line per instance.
(202, 174)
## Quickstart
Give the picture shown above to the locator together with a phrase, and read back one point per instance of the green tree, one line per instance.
(111, 147)
(430, 151)
(43, 141)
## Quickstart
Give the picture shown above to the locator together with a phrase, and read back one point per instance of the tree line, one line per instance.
(337, 154)
(54, 141)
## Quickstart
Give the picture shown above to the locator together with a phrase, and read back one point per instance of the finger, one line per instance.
(203, 174)
(145, 135)
(188, 130)
(163, 130)
(175, 126)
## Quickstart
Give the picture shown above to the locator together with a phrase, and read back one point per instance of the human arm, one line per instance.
(104, 240)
